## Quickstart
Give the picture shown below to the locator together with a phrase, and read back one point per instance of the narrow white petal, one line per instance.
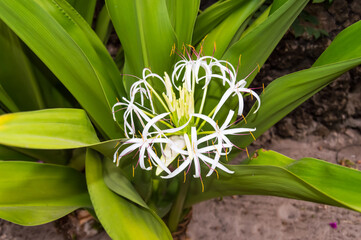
(178, 170)
(220, 166)
(228, 120)
(223, 100)
(157, 160)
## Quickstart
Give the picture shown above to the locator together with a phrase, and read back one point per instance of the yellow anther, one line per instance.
(215, 147)
(191, 47)
(204, 38)
(263, 87)
(252, 135)
(117, 159)
(141, 135)
(247, 152)
(133, 170)
(185, 177)
(259, 68)
(202, 185)
(245, 121)
(117, 144)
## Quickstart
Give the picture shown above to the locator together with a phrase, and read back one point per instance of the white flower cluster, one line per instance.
(180, 131)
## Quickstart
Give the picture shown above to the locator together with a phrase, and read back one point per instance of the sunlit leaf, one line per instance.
(132, 220)
(61, 38)
(37, 193)
(270, 173)
(47, 129)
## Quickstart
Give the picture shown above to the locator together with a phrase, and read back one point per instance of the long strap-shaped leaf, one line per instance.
(183, 15)
(271, 173)
(67, 45)
(222, 35)
(86, 8)
(212, 16)
(258, 44)
(51, 129)
(146, 34)
(132, 221)
(47, 129)
(37, 193)
(16, 76)
(286, 93)
(6, 101)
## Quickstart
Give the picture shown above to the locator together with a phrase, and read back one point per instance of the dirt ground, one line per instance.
(328, 127)
(265, 217)
(246, 217)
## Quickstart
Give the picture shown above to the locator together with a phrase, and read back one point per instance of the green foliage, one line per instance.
(132, 221)
(37, 193)
(47, 129)
(53, 58)
(270, 173)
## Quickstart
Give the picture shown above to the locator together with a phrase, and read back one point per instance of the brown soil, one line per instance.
(328, 126)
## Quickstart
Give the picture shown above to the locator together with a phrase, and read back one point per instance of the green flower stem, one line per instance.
(177, 208)
(161, 121)
(159, 98)
(206, 132)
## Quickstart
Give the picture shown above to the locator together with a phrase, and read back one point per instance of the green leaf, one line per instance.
(183, 15)
(7, 153)
(146, 34)
(86, 8)
(270, 173)
(67, 45)
(121, 218)
(256, 46)
(223, 34)
(36, 193)
(6, 101)
(54, 93)
(346, 46)
(212, 16)
(47, 129)
(60, 157)
(118, 183)
(16, 75)
(103, 25)
(286, 93)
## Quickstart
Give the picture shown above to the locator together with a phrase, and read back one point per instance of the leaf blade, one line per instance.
(271, 173)
(47, 129)
(55, 31)
(36, 193)
(111, 208)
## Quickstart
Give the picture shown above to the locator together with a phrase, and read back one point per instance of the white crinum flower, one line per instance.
(237, 88)
(221, 145)
(160, 141)
(196, 155)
